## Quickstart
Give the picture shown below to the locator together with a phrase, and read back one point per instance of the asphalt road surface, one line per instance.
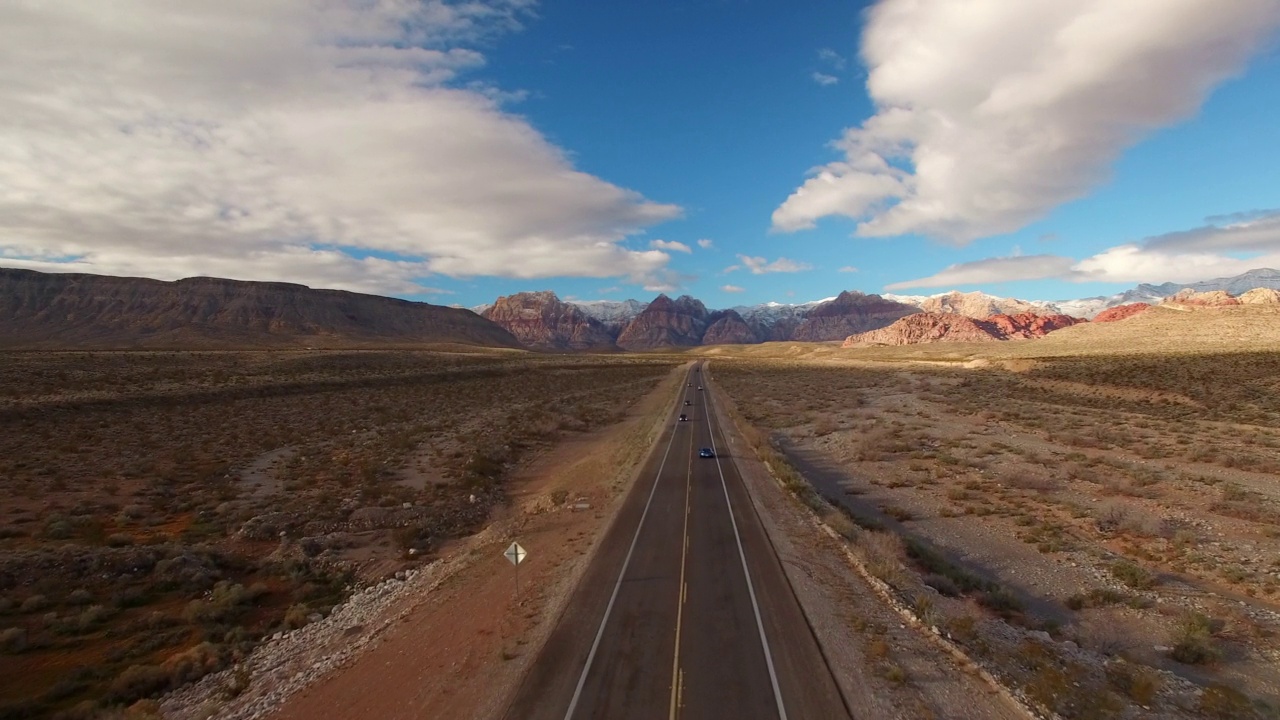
(684, 612)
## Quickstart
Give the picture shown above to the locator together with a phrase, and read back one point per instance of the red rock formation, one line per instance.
(55, 310)
(1027, 325)
(1260, 296)
(1120, 312)
(1212, 298)
(951, 327)
(848, 314)
(541, 320)
(925, 328)
(726, 327)
(666, 323)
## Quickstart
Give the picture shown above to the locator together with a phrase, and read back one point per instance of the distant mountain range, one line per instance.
(57, 311)
(41, 310)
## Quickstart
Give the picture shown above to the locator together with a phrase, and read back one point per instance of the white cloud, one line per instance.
(825, 79)
(992, 270)
(672, 245)
(706, 244)
(288, 140)
(1245, 241)
(1003, 110)
(832, 58)
(760, 266)
(732, 289)
(848, 269)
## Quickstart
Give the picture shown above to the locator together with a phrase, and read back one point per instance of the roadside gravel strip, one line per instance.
(885, 667)
(448, 639)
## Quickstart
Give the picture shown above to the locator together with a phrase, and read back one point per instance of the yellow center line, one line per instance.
(677, 675)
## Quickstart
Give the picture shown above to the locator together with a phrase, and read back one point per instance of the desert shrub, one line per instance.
(883, 553)
(1193, 642)
(13, 640)
(1133, 575)
(943, 584)
(92, 616)
(1097, 597)
(900, 514)
(57, 530)
(1223, 702)
(137, 682)
(1137, 683)
(296, 616)
(79, 596)
(35, 603)
(119, 540)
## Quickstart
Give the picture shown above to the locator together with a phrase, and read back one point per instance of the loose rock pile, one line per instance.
(289, 662)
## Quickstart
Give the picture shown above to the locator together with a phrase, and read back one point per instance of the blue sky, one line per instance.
(456, 152)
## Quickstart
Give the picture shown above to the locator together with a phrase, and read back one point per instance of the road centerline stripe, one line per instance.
(742, 554)
(595, 645)
(676, 673)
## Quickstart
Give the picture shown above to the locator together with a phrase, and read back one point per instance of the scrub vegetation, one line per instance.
(166, 511)
(1102, 531)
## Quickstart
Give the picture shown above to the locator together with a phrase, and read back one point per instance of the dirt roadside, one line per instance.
(884, 668)
(452, 640)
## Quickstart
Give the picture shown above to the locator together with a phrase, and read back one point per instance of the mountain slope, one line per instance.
(43, 310)
(541, 320)
(849, 313)
(666, 323)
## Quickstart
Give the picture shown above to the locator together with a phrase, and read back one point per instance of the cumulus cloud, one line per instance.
(706, 244)
(732, 289)
(1243, 242)
(1214, 250)
(670, 245)
(825, 79)
(319, 143)
(848, 269)
(990, 113)
(760, 266)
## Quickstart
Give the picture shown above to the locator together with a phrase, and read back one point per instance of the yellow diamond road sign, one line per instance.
(515, 553)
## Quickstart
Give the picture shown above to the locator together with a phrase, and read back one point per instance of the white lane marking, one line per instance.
(755, 605)
(595, 645)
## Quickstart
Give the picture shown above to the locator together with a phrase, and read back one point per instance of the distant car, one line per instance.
(706, 453)
(699, 387)
(686, 402)
(689, 385)
(683, 417)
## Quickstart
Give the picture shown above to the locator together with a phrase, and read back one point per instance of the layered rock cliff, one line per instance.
(953, 327)
(666, 323)
(51, 310)
(727, 327)
(541, 320)
(849, 313)
(1120, 312)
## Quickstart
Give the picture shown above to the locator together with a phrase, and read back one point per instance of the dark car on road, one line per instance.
(706, 453)
(683, 417)
(699, 387)
(686, 402)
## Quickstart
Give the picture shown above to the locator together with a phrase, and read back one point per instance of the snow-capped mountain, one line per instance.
(611, 311)
(1153, 294)
(772, 312)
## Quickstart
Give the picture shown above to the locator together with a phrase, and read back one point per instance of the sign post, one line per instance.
(516, 555)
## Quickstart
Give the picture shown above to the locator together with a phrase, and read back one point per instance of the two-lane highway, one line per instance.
(684, 612)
